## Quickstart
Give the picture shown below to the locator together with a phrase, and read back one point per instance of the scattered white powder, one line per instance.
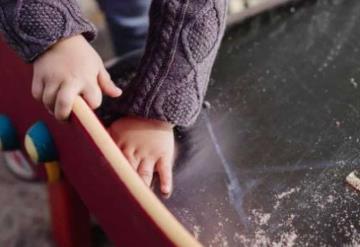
(354, 83)
(330, 199)
(284, 195)
(287, 239)
(287, 193)
(261, 238)
(196, 231)
(219, 240)
(260, 218)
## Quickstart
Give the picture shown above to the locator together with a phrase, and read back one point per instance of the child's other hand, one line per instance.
(149, 146)
(69, 68)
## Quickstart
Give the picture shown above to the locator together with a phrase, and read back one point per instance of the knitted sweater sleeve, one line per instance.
(32, 26)
(172, 77)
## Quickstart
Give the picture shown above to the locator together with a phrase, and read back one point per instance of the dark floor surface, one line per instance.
(266, 165)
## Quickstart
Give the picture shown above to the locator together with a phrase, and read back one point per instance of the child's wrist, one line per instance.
(77, 39)
(156, 123)
(162, 124)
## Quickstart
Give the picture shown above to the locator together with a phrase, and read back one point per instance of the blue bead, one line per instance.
(43, 142)
(8, 136)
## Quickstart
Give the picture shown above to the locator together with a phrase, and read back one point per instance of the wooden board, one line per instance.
(127, 210)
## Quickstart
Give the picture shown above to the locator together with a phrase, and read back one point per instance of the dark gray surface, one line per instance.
(24, 219)
(266, 165)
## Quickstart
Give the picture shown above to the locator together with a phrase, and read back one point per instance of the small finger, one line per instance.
(164, 169)
(64, 101)
(92, 95)
(146, 171)
(49, 95)
(107, 85)
(130, 156)
(37, 88)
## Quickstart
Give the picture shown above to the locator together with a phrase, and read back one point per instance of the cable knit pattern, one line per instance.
(173, 75)
(32, 26)
(172, 78)
(202, 35)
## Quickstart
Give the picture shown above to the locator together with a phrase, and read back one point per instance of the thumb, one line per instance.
(107, 86)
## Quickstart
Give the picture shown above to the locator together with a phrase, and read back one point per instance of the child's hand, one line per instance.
(149, 146)
(69, 68)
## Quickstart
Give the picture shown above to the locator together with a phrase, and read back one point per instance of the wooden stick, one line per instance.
(353, 180)
(70, 219)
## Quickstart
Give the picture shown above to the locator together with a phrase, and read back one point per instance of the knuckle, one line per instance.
(137, 154)
(73, 80)
(145, 172)
(127, 152)
(93, 91)
(35, 94)
(166, 176)
(120, 141)
(46, 98)
(62, 102)
(71, 77)
(60, 115)
(126, 148)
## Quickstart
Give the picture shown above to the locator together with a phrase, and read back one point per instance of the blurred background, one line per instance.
(238, 10)
(24, 220)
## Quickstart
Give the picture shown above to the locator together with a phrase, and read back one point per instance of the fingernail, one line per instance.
(118, 91)
(166, 189)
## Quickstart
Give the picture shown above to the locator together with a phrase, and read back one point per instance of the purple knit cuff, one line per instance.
(172, 78)
(32, 26)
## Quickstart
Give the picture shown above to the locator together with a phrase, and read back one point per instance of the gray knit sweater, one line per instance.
(172, 77)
